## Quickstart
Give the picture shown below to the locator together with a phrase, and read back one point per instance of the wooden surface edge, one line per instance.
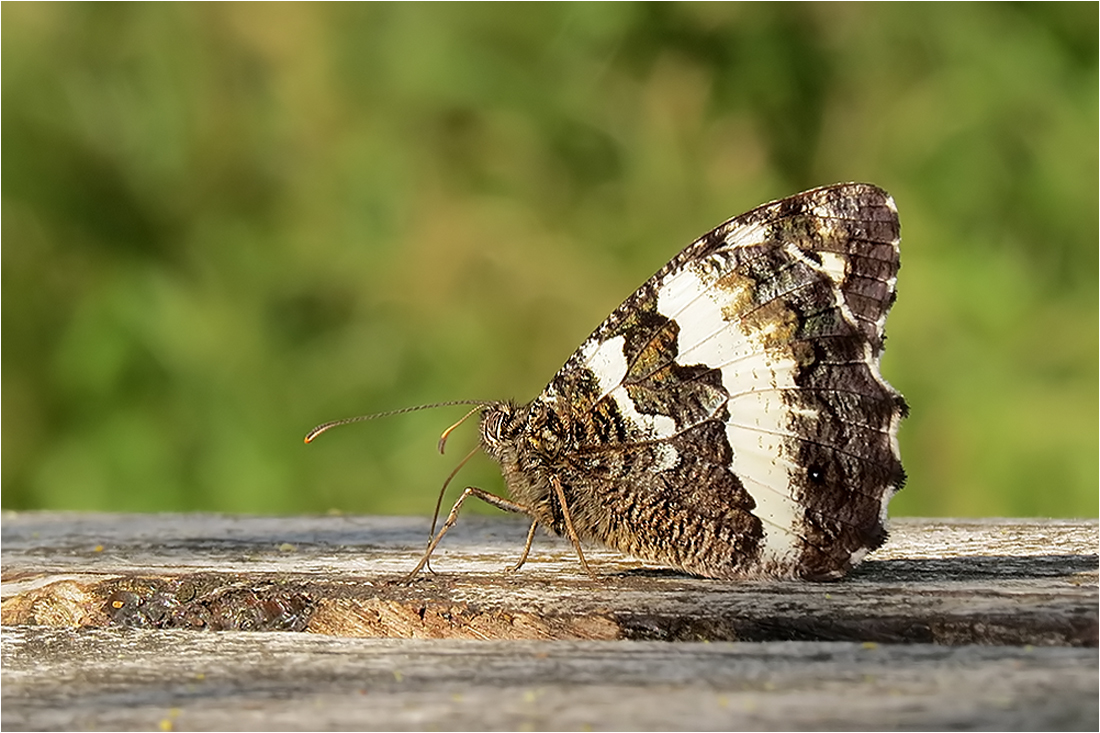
(1036, 584)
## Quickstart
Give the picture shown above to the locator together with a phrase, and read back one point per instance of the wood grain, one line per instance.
(101, 613)
(127, 679)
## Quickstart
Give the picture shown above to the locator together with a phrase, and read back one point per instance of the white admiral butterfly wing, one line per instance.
(729, 418)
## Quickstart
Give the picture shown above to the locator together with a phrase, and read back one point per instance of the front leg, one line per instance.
(485, 496)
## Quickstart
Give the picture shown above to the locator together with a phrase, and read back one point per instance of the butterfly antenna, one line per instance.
(312, 434)
(478, 405)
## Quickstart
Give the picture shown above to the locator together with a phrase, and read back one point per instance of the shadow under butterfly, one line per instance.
(729, 419)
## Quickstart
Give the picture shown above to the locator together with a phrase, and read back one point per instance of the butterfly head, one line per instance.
(501, 422)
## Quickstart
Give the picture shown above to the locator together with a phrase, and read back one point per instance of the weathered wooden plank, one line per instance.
(129, 679)
(945, 581)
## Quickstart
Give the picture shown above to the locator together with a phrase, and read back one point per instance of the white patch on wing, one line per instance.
(758, 418)
(667, 457)
(835, 266)
(607, 362)
(654, 427)
(857, 557)
(895, 423)
(744, 236)
(890, 204)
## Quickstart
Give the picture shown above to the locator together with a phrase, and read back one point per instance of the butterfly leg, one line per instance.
(526, 547)
(560, 493)
(485, 496)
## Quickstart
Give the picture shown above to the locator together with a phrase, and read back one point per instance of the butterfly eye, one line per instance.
(494, 426)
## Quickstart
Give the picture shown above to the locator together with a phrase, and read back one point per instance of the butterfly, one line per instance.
(729, 419)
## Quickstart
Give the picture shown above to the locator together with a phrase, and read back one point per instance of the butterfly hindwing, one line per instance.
(729, 418)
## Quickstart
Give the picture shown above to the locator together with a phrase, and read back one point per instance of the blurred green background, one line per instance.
(223, 224)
